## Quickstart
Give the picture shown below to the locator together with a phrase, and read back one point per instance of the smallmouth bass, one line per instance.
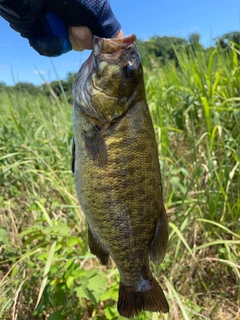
(117, 172)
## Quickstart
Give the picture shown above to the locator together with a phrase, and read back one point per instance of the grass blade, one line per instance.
(46, 270)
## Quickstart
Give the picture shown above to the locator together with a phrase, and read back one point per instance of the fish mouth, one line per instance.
(107, 50)
(104, 46)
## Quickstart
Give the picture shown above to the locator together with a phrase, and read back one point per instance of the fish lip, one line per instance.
(102, 46)
(110, 51)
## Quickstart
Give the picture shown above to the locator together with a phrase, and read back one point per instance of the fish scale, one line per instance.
(117, 172)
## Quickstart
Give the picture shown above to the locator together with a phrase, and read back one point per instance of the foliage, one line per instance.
(227, 39)
(54, 89)
(162, 49)
(46, 270)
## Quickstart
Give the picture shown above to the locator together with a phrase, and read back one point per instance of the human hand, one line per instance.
(54, 27)
(81, 37)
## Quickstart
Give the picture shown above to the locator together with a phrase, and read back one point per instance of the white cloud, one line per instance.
(39, 72)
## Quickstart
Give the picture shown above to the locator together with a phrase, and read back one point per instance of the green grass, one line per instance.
(45, 265)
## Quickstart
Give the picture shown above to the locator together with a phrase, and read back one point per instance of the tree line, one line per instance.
(162, 50)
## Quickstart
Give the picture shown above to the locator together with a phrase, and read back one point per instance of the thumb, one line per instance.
(80, 38)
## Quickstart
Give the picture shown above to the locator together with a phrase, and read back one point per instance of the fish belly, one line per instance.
(122, 199)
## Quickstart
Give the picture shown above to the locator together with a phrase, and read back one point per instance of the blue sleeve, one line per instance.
(45, 22)
(107, 22)
(97, 15)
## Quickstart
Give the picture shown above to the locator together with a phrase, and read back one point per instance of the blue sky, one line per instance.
(209, 18)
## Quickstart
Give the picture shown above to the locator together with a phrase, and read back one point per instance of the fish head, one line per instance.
(111, 80)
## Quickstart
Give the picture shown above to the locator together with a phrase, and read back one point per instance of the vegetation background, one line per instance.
(46, 270)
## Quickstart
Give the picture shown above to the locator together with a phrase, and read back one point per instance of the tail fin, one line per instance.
(149, 297)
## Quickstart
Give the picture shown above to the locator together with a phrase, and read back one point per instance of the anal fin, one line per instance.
(96, 248)
(158, 245)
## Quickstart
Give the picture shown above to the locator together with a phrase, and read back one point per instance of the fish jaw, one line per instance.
(82, 98)
(105, 86)
(103, 46)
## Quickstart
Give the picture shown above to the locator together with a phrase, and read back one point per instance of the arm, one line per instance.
(51, 25)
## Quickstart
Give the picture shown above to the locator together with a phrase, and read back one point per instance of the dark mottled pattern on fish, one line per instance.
(118, 180)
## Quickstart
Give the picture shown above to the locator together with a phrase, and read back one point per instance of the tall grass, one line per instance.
(196, 113)
(46, 270)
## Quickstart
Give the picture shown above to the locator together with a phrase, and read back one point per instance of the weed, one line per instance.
(46, 270)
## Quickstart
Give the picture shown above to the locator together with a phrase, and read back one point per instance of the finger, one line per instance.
(94, 14)
(80, 38)
(120, 34)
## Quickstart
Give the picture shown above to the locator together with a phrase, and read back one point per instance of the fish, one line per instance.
(117, 172)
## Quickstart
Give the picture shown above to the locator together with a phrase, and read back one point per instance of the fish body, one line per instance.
(117, 173)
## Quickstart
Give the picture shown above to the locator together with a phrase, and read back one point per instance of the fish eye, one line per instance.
(128, 70)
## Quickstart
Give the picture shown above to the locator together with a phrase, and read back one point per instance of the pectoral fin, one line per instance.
(96, 247)
(95, 145)
(158, 245)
